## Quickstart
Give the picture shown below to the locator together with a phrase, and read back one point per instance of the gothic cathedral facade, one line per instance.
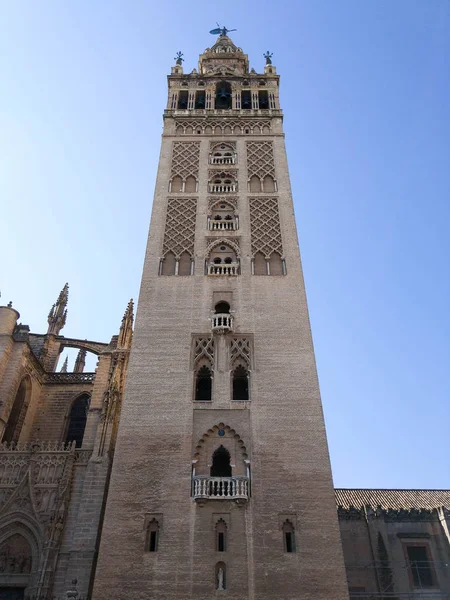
(221, 480)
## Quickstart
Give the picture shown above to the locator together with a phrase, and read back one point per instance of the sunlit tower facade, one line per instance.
(221, 483)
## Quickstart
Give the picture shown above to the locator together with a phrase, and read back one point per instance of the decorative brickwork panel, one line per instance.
(260, 160)
(217, 127)
(203, 348)
(240, 352)
(179, 233)
(185, 159)
(265, 226)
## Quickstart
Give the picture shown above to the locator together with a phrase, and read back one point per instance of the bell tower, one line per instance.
(221, 484)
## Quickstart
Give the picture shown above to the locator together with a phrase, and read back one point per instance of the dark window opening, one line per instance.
(183, 99)
(420, 566)
(221, 541)
(217, 261)
(222, 308)
(223, 95)
(263, 99)
(240, 384)
(200, 99)
(203, 385)
(153, 541)
(228, 260)
(246, 99)
(289, 537)
(221, 466)
(289, 541)
(77, 421)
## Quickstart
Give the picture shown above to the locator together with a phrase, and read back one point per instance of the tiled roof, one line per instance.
(392, 498)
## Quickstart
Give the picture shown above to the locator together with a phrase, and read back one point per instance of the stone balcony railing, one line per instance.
(227, 270)
(69, 377)
(222, 160)
(222, 188)
(222, 225)
(220, 488)
(222, 323)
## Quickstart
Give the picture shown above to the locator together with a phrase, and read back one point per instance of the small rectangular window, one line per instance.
(420, 566)
(289, 541)
(221, 541)
(153, 546)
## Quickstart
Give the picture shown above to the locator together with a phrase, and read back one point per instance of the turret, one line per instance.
(8, 319)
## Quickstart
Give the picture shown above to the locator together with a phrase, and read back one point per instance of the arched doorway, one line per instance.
(221, 464)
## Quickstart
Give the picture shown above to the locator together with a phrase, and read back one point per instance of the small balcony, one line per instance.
(220, 270)
(222, 160)
(225, 225)
(222, 323)
(220, 488)
(222, 188)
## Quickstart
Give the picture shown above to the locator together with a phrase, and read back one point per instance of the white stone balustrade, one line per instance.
(222, 323)
(222, 160)
(229, 225)
(222, 188)
(229, 270)
(220, 488)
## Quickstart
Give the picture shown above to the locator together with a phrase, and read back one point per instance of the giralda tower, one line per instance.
(221, 484)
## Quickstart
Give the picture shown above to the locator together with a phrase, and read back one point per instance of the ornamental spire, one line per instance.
(80, 361)
(126, 328)
(58, 313)
(65, 365)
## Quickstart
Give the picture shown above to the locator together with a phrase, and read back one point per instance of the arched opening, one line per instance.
(77, 420)
(15, 557)
(176, 184)
(168, 264)
(260, 265)
(223, 95)
(203, 384)
(190, 185)
(240, 383)
(184, 265)
(268, 184)
(221, 465)
(255, 184)
(222, 308)
(18, 411)
(275, 264)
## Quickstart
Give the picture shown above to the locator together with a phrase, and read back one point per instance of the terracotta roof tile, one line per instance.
(392, 498)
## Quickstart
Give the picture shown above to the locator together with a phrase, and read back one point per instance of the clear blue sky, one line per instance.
(365, 88)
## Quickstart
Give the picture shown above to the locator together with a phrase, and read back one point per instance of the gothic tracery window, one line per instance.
(76, 421)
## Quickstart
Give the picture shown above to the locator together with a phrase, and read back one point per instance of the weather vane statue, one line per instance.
(179, 58)
(268, 57)
(222, 31)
